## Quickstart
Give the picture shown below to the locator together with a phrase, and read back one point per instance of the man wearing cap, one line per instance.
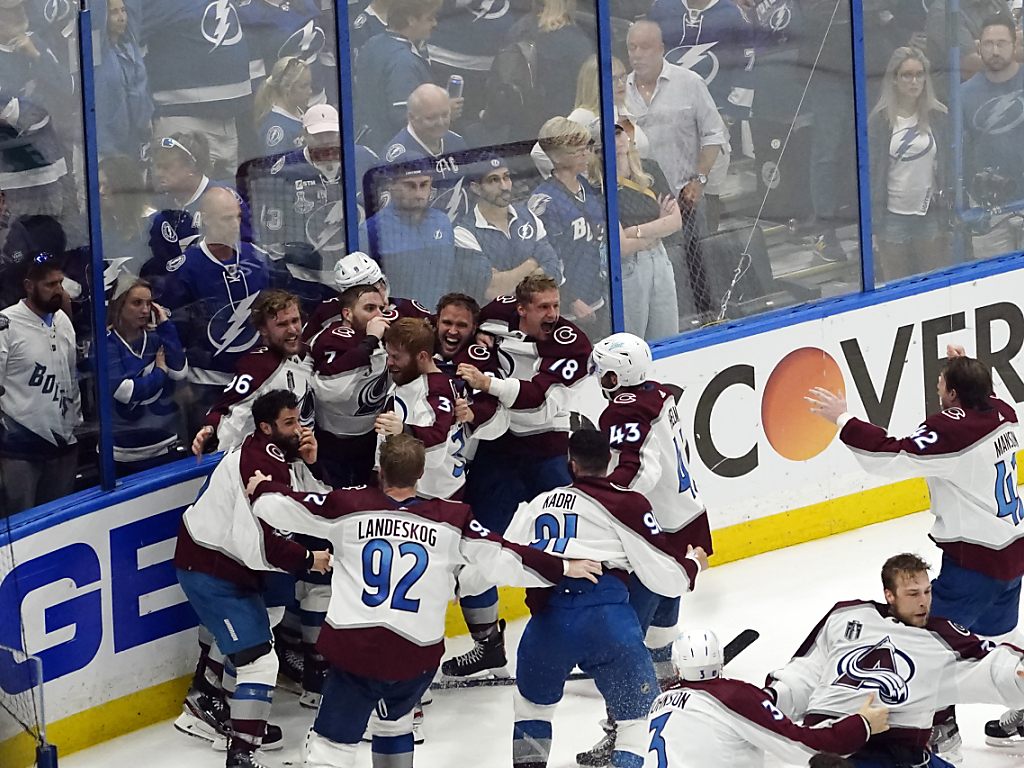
(428, 135)
(299, 206)
(497, 243)
(412, 241)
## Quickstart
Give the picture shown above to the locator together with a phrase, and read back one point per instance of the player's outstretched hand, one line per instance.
(388, 423)
(204, 434)
(376, 327)
(307, 445)
(583, 569)
(699, 555)
(255, 480)
(321, 561)
(877, 717)
(955, 350)
(463, 411)
(827, 405)
(474, 377)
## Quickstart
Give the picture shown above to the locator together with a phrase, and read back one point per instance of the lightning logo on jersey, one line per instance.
(236, 322)
(221, 26)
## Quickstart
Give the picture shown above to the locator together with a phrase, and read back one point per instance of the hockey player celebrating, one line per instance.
(918, 663)
(395, 561)
(543, 359)
(708, 721)
(587, 625)
(964, 451)
(649, 456)
(224, 554)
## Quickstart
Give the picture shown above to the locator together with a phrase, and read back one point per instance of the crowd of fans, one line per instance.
(478, 162)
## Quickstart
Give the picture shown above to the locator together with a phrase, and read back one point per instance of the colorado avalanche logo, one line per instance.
(325, 229)
(275, 453)
(626, 398)
(372, 396)
(697, 58)
(230, 331)
(881, 667)
(1001, 114)
(305, 43)
(220, 26)
(565, 335)
(507, 299)
(306, 412)
(479, 352)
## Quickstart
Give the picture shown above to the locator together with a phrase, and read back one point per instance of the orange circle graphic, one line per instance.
(793, 431)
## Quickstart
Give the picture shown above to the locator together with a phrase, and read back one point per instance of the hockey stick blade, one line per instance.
(739, 644)
(487, 682)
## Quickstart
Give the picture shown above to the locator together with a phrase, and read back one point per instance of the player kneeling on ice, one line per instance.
(917, 663)
(708, 721)
(395, 559)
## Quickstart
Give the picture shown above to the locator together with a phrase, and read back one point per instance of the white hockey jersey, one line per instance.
(725, 723)
(858, 648)
(394, 571)
(969, 459)
(257, 373)
(40, 404)
(350, 380)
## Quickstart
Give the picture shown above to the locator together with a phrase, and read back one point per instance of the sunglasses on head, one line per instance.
(169, 143)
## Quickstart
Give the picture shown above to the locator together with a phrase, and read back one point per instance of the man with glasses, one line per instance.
(993, 134)
(39, 397)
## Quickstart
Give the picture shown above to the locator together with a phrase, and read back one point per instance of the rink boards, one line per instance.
(94, 586)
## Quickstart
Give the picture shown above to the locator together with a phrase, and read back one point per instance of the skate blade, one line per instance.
(494, 673)
(1012, 746)
(196, 728)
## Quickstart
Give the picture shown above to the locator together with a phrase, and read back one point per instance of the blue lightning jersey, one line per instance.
(449, 190)
(174, 228)
(416, 257)
(994, 130)
(716, 42)
(470, 32)
(777, 23)
(293, 28)
(210, 302)
(279, 132)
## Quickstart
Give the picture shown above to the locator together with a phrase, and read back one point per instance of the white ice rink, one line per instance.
(781, 594)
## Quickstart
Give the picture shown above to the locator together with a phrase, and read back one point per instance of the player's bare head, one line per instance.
(566, 143)
(908, 589)
(43, 281)
(275, 314)
(538, 304)
(402, 458)
(966, 382)
(129, 309)
(589, 453)
(457, 318)
(221, 216)
(828, 760)
(646, 49)
(276, 415)
(410, 346)
(359, 305)
(415, 19)
(430, 112)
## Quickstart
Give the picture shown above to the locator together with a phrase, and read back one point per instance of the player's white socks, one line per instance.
(251, 701)
(632, 737)
(321, 752)
(275, 614)
(531, 734)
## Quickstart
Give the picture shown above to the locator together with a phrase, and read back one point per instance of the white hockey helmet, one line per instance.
(697, 655)
(356, 269)
(625, 355)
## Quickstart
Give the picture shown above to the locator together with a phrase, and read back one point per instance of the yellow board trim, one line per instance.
(785, 529)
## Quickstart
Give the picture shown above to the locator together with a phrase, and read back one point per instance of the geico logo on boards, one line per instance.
(27, 596)
(798, 435)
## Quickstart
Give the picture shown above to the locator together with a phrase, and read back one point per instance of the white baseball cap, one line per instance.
(322, 118)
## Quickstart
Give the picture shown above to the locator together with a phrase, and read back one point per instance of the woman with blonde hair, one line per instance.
(588, 102)
(280, 102)
(572, 212)
(909, 143)
(648, 212)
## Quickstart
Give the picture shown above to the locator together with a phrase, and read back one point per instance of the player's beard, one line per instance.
(405, 375)
(289, 445)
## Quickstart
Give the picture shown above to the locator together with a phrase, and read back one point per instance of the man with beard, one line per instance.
(39, 395)
(497, 243)
(350, 384)
(993, 133)
(223, 558)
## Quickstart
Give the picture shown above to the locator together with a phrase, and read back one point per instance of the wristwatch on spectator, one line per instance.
(702, 178)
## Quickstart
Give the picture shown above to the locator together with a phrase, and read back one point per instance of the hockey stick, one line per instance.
(732, 649)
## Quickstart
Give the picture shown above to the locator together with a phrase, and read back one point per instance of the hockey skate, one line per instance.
(485, 658)
(205, 718)
(289, 678)
(240, 759)
(1007, 732)
(945, 742)
(601, 753)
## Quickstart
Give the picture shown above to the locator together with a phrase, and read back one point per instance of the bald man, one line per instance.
(427, 135)
(210, 289)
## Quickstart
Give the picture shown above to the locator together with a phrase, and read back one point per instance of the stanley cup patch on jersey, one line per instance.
(881, 667)
(853, 630)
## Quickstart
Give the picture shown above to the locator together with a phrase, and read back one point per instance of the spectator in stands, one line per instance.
(673, 107)
(412, 241)
(427, 135)
(497, 243)
(210, 290)
(561, 47)
(573, 215)
(648, 212)
(909, 143)
(370, 22)
(123, 208)
(994, 134)
(124, 108)
(280, 102)
(29, 68)
(26, 236)
(39, 395)
(145, 358)
(32, 161)
(197, 57)
(390, 67)
(969, 26)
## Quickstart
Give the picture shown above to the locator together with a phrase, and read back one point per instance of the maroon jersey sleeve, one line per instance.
(326, 313)
(563, 362)
(548, 566)
(627, 424)
(340, 349)
(251, 372)
(331, 505)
